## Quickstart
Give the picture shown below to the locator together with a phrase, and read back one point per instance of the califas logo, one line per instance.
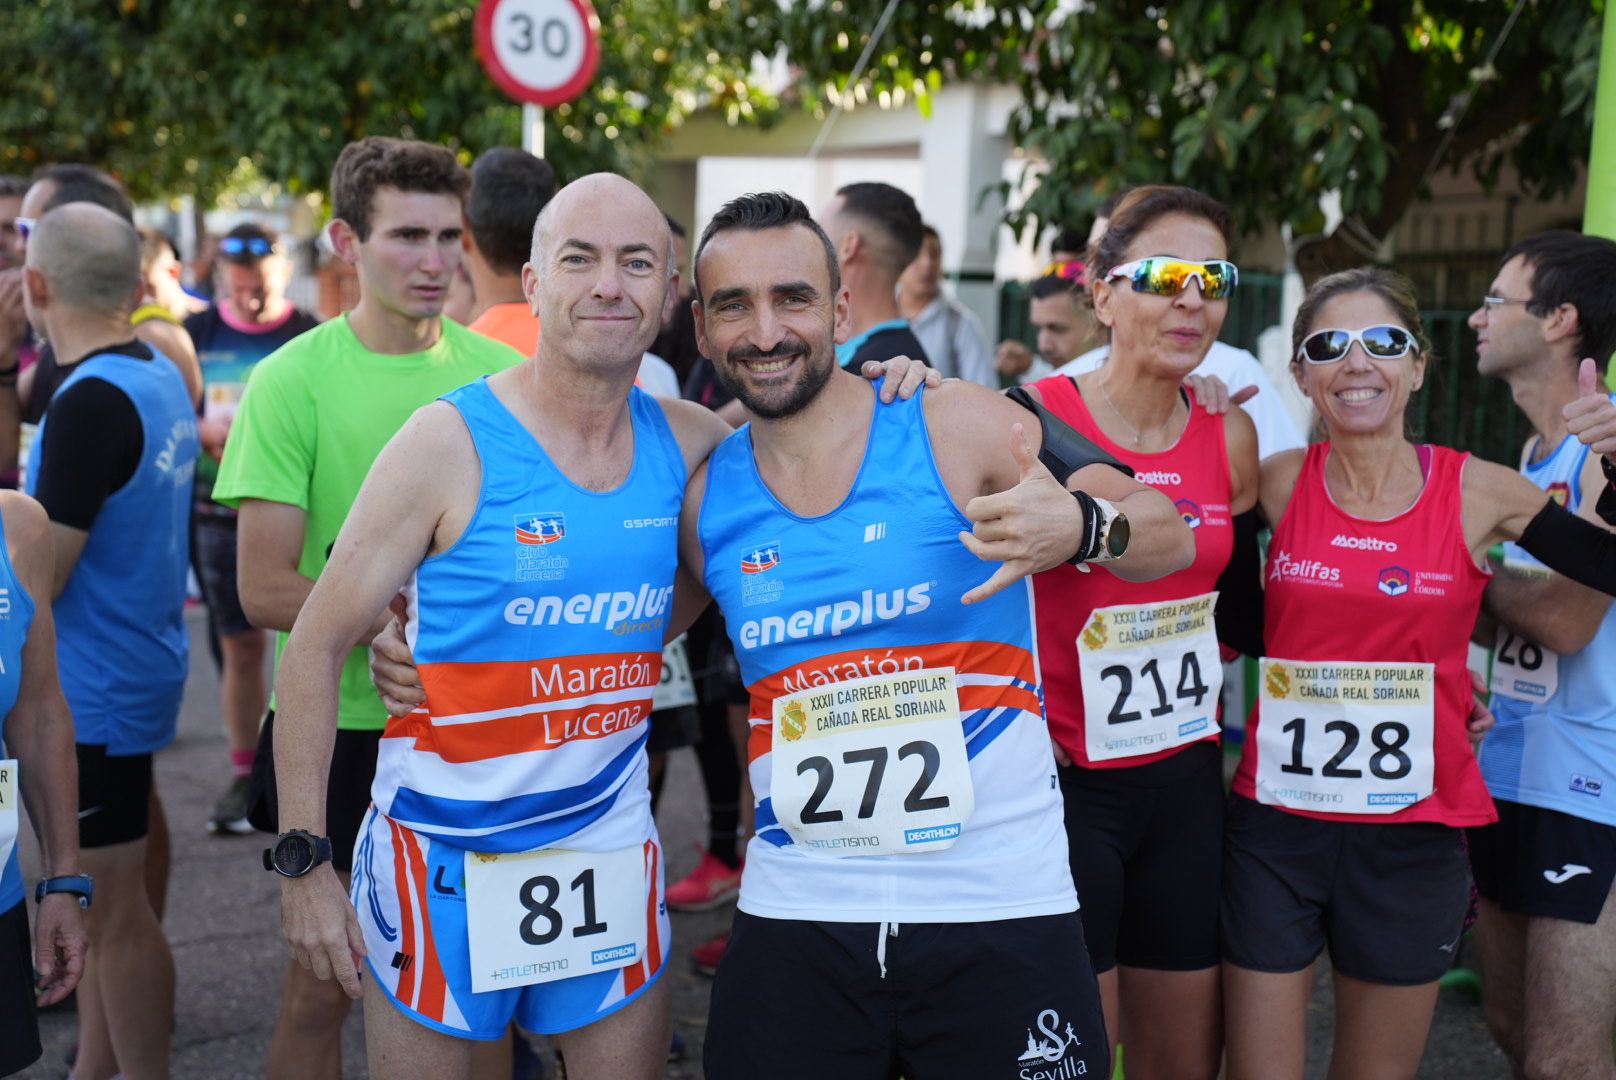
(1393, 581)
(610, 609)
(837, 617)
(762, 557)
(1363, 543)
(1050, 1053)
(1158, 477)
(1190, 512)
(1282, 566)
(536, 529)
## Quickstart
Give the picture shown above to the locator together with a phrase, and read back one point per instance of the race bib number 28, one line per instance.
(1346, 738)
(542, 916)
(873, 766)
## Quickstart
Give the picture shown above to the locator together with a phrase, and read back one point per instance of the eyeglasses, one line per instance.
(1490, 302)
(25, 226)
(1068, 270)
(235, 247)
(1166, 275)
(1384, 342)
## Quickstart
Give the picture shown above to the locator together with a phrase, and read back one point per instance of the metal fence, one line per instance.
(1456, 407)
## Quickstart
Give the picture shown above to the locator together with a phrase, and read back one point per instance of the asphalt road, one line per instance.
(223, 922)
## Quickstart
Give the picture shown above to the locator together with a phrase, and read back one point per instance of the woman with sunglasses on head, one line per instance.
(1131, 671)
(1357, 772)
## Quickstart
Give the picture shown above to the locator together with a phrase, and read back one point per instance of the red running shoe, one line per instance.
(711, 884)
(705, 957)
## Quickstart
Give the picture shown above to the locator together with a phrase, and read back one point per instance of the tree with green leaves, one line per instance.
(1269, 105)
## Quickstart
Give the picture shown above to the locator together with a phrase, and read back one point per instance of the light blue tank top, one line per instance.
(538, 636)
(1559, 753)
(871, 588)
(121, 643)
(16, 615)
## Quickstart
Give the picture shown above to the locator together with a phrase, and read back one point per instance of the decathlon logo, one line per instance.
(1363, 543)
(1394, 581)
(1190, 511)
(762, 557)
(875, 532)
(536, 529)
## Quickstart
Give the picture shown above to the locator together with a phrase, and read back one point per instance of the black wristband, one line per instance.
(1090, 546)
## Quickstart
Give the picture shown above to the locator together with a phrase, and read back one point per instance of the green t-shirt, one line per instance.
(315, 414)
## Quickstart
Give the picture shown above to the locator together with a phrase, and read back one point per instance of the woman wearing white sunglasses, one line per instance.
(1357, 772)
(1132, 673)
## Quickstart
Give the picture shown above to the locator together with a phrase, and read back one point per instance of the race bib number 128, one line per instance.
(1346, 738)
(540, 916)
(873, 766)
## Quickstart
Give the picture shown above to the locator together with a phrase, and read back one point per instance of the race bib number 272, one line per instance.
(873, 766)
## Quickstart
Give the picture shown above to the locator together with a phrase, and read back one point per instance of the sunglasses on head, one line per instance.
(1165, 275)
(1067, 270)
(235, 247)
(1383, 342)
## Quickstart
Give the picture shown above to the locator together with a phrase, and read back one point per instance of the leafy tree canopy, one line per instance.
(1265, 104)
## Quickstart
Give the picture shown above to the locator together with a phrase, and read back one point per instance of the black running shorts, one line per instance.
(800, 1000)
(1534, 861)
(1387, 900)
(114, 797)
(1146, 847)
(19, 1024)
(347, 796)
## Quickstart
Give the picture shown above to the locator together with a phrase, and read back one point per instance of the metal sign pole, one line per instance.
(533, 129)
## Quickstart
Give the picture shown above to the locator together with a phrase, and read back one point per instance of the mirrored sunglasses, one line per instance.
(1383, 342)
(1166, 275)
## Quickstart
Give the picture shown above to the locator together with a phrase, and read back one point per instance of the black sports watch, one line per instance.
(296, 853)
(81, 885)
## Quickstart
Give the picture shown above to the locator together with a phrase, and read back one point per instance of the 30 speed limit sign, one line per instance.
(539, 51)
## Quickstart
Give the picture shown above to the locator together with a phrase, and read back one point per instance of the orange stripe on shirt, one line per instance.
(453, 689)
(537, 730)
(965, 657)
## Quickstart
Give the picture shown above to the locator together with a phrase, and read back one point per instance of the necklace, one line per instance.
(1138, 436)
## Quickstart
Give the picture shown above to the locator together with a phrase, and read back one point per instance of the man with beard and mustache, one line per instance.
(906, 895)
(770, 311)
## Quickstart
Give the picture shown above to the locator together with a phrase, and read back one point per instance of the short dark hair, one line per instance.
(768, 210)
(153, 242)
(675, 226)
(85, 183)
(247, 232)
(377, 162)
(891, 210)
(1571, 268)
(509, 187)
(1144, 205)
(1054, 285)
(1070, 240)
(929, 232)
(12, 185)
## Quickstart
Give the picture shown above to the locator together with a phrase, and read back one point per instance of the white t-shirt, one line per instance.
(1276, 430)
(952, 336)
(657, 377)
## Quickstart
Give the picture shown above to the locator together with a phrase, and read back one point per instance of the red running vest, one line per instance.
(1405, 590)
(1194, 473)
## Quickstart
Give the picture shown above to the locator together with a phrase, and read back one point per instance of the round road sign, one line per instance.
(542, 51)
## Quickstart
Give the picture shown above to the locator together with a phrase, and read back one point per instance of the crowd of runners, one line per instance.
(946, 626)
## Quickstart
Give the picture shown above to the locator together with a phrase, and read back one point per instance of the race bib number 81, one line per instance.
(1346, 738)
(873, 766)
(536, 917)
(1151, 676)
